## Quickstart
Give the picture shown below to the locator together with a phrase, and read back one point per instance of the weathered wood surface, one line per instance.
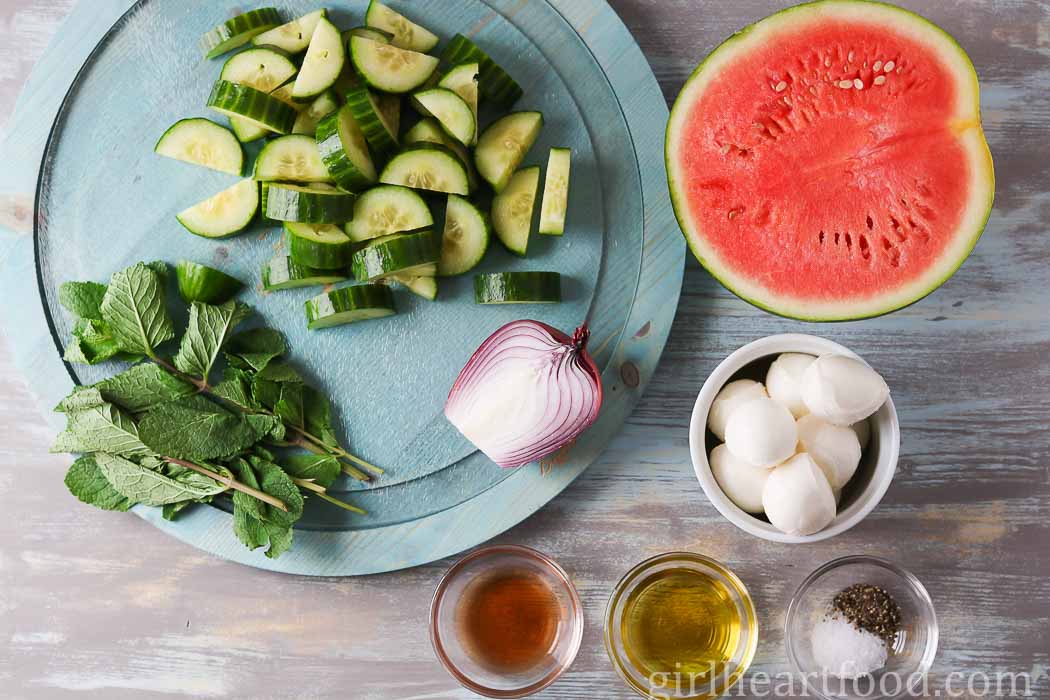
(103, 605)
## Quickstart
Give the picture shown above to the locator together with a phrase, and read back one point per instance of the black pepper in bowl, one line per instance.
(870, 608)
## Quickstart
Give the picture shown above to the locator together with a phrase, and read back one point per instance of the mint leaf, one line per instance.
(274, 481)
(82, 299)
(87, 482)
(92, 343)
(236, 387)
(133, 306)
(257, 524)
(322, 469)
(144, 485)
(142, 387)
(81, 398)
(289, 407)
(161, 268)
(265, 427)
(317, 415)
(100, 429)
(254, 349)
(170, 511)
(195, 428)
(279, 372)
(208, 330)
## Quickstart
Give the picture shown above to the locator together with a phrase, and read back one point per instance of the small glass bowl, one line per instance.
(456, 658)
(643, 573)
(914, 647)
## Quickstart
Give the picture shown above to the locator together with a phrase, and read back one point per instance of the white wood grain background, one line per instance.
(101, 605)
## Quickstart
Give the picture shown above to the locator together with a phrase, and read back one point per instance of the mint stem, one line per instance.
(322, 450)
(230, 483)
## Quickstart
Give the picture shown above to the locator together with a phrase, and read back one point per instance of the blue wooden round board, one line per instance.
(104, 200)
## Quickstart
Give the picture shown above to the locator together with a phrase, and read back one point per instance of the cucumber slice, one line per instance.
(205, 284)
(388, 68)
(429, 131)
(463, 80)
(465, 238)
(252, 105)
(293, 36)
(284, 94)
(451, 111)
(425, 287)
(427, 167)
(503, 145)
(321, 107)
(555, 192)
(372, 33)
(248, 131)
(317, 204)
(360, 302)
(284, 273)
(323, 62)
(408, 254)
(294, 158)
(344, 150)
(264, 69)
(387, 209)
(407, 34)
(322, 246)
(365, 108)
(512, 210)
(202, 142)
(495, 84)
(517, 288)
(238, 31)
(223, 214)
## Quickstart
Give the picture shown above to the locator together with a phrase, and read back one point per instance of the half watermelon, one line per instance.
(828, 162)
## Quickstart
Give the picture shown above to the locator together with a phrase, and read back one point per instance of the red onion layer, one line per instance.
(526, 391)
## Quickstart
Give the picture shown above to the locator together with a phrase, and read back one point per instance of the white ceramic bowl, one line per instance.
(863, 492)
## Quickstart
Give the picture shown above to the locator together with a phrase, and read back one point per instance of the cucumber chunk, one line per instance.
(323, 105)
(223, 214)
(202, 142)
(512, 210)
(264, 69)
(252, 105)
(284, 273)
(429, 131)
(323, 62)
(238, 31)
(317, 204)
(463, 80)
(555, 192)
(406, 33)
(503, 145)
(323, 246)
(465, 238)
(293, 36)
(205, 284)
(427, 167)
(425, 287)
(388, 68)
(495, 84)
(344, 150)
(387, 209)
(517, 288)
(451, 111)
(360, 302)
(380, 134)
(295, 157)
(373, 33)
(408, 254)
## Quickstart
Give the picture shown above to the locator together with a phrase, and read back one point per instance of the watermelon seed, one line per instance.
(886, 243)
(849, 57)
(877, 67)
(889, 66)
(864, 251)
(879, 80)
(858, 83)
(836, 238)
(827, 63)
(821, 238)
(781, 86)
(849, 241)
(845, 84)
(871, 224)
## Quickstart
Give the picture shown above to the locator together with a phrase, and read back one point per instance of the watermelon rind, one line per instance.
(969, 128)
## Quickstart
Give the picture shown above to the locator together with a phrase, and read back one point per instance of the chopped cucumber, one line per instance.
(555, 192)
(322, 246)
(425, 287)
(344, 150)
(512, 210)
(246, 131)
(205, 284)
(517, 288)
(202, 142)
(495, 84)
(463, 80)
(323, 62)
(388, 68)
(451, 111)
(503, 145)
(254, 106)
(408, 254)
(427, 167)
(387, 209)
(223, 214)
(429, 131)
(369, 33)
(360, 302)
(238, 31)
(294, 36)
(264, 69)
(406, 34)
(365, 108)
(321, 107)
(295, 158)
(284, 273)
(284, 94)
(317, 204)
(465, 238)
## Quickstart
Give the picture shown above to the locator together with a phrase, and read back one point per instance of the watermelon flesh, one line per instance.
(828, 163)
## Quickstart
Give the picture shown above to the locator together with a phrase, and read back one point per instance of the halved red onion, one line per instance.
(527, 391)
